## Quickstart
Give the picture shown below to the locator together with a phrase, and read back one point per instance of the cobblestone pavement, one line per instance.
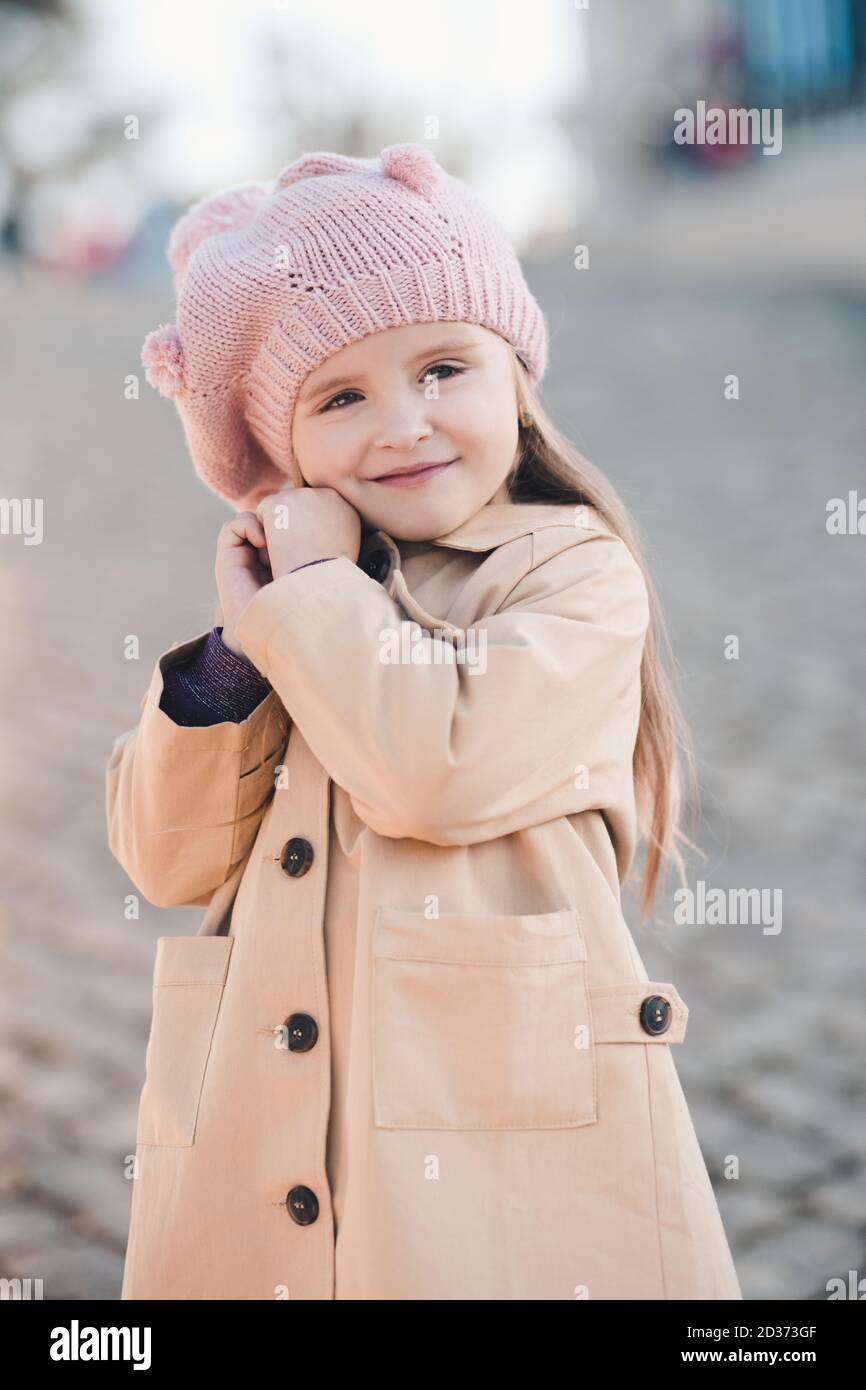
(731, 499)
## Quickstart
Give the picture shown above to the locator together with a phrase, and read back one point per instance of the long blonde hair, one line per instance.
(549, 468)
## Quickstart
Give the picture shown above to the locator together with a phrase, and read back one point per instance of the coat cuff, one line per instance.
(215, 685)
(267, 610)
(258, 732)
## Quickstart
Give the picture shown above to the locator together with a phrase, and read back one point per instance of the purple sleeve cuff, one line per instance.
(215, 685)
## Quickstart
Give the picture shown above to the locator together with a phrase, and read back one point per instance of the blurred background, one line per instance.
(702, 261)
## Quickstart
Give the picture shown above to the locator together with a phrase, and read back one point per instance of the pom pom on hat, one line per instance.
(162, 355)
(220, 212)
(412, 165)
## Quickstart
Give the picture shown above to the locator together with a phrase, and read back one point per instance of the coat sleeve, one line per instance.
(541, 722)
(184, 802)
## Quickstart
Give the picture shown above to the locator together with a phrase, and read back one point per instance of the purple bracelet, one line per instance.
(312, 562)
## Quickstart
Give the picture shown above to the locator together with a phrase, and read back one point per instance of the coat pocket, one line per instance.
(481, 1022)
(188, 981)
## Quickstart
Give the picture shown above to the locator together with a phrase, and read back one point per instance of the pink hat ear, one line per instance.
(310, 166)
(412, 165)
(221, 212)
(162, 355)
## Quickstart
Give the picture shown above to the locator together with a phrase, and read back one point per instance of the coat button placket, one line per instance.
(377, 564)
(296, 857)
(655, 1014)
(302, 1032)
(302, 1205)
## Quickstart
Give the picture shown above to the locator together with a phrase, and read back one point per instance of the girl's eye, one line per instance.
(328, 404)
(439, 366)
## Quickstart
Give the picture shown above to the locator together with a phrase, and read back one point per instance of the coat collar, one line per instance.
(498, 522)
(493, 525)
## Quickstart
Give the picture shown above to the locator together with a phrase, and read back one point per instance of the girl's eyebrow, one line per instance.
(332, 383)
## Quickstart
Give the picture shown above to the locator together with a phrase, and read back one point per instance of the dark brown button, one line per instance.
(655, 1014)
(302, 1032)
(377, 564)
(297, 856)
(302, 1205)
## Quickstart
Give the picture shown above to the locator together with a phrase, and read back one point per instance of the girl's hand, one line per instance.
(242, 568)
(308, 523)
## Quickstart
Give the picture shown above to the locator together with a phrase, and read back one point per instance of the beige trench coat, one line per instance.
(418, 1055)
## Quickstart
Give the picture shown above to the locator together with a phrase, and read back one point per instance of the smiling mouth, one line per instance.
(414, 478)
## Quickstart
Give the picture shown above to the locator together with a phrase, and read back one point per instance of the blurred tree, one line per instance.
(55, 124)
(312, 95)
(35, 37)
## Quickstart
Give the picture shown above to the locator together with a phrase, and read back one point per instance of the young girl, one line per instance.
(413, 1052)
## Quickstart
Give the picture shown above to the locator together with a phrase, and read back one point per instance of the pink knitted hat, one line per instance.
(274, 278)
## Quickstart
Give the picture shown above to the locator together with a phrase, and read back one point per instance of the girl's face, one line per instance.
(440, 393)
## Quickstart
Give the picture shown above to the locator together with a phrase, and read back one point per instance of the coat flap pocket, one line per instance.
(191, 960)
(481, 1021)
(643, 1011)
(546, 938)
(188, 986)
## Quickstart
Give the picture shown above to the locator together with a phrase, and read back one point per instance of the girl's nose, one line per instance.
(404, 426)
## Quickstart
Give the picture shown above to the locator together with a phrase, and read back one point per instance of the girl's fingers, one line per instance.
(254, 529)
(245, 527)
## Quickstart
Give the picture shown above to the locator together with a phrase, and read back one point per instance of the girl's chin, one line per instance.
(424, 524)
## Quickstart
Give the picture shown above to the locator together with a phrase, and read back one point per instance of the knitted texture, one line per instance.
(213, 685)
(274, 278)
